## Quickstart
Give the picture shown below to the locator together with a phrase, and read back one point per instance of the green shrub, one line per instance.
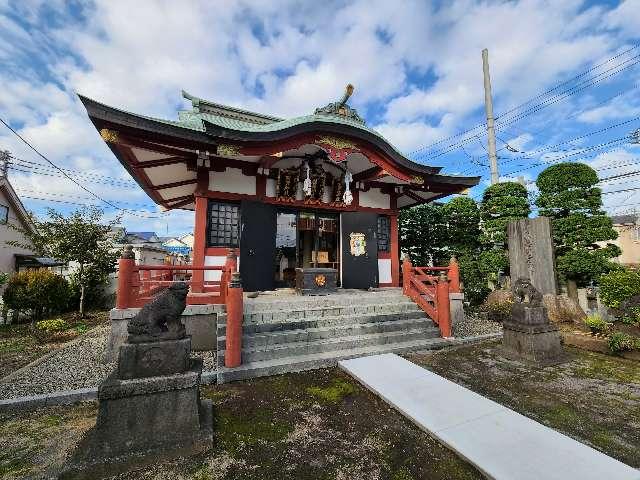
(596, 323)
(618, 286)
(3, 278)
(52, 326)
(622, 342)
(40, 291)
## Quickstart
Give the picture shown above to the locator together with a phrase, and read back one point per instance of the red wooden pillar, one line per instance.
(395, 252)
(442, 304)
(126, 267)
(406, 275)
(454, 275)
(233, 346)
(199, 242)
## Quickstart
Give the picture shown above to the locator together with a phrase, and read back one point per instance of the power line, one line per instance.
(74, 196)
(43, 166)
(543, 95)
(48, 172)
(67, 175)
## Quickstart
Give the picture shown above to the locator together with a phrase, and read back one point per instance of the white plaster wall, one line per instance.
(232, 181)
(374, 198)
(213, 275)
(270, 190)
(7, 258)
(384, 270)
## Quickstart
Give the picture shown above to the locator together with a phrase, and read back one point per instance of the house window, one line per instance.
(384, 234)
(4, 214)
(224, 220)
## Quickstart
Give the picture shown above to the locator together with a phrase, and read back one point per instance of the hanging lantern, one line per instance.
(347, 197)
(306, 186)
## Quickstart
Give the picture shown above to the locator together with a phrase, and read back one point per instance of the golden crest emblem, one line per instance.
(320, 280)
(358, 244)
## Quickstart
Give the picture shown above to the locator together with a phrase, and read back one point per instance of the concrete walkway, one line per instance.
(499, 442)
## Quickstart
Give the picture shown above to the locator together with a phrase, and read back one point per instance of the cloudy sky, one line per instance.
(564, 75)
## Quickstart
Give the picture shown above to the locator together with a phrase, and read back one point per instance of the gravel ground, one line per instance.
(475, 324)
(76, 365)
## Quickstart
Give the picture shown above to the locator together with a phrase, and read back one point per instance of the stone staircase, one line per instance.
(292, 333)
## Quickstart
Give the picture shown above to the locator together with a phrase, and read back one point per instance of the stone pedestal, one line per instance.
(149, 408)
(528, 335)
(143, 421)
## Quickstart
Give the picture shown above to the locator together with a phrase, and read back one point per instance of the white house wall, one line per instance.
(384, 270)
(7, 253)
(210, 260)
(374, 198)
(232, 181)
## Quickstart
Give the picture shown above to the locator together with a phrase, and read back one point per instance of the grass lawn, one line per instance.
(19, 346)
(314, 425)
(324, 425)
(594, 398)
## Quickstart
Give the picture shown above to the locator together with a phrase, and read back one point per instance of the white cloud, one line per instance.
(415, 65)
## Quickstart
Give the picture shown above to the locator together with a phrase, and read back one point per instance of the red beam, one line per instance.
(174, 184)
(368, 174)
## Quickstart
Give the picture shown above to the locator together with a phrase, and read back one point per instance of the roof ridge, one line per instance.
(197, 101)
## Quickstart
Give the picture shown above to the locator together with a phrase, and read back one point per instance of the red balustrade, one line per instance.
(429, 288)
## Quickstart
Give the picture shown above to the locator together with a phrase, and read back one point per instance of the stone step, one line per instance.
(312, 361)
(288, 302)
(253, 341)
(319, 322)
(302, 312)
(294, 349)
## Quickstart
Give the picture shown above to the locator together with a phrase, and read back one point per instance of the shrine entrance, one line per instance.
(304, 239)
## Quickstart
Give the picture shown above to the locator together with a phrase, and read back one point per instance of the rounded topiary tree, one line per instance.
(422, 233)
(501, 203)
(569, 196)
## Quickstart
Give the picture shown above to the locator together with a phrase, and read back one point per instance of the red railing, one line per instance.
(429, 288)
(137, 284)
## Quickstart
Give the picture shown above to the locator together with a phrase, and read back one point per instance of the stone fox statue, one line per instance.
(160, 318)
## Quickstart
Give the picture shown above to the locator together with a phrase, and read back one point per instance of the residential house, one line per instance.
(628, 228)
(12, 213)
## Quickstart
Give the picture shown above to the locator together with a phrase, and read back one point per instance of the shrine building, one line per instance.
(318, 191)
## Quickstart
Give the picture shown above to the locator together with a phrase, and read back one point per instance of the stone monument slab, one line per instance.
(531, 253)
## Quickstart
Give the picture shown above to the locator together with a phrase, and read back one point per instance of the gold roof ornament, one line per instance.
(337, 142)
(417, 179)
(228, 150)
(109, 136)
(341, 108)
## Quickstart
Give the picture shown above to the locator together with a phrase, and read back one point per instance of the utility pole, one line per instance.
(491, 131)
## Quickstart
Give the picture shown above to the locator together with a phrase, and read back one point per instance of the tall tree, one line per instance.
(82, 238)
(501, 203)
(422, 233)
(462, 239)
(569, 196)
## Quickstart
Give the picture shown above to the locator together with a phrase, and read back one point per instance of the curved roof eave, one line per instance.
(315, 126)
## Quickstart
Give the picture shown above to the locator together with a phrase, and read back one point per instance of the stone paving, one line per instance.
(498, 441)
(75, 366)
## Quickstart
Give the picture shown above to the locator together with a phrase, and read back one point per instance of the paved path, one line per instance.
(500, 442)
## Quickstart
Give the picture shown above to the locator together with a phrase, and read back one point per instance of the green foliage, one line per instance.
(618, 286)
(570, 197)
(461, 219)
(3, 278)
(37, 290)
(422, 234)
(473, 278)
(431, 234)
(52, 325)
(501, 203)
(596, 323)
(621, 342)
(333, 393)
(81, 238)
